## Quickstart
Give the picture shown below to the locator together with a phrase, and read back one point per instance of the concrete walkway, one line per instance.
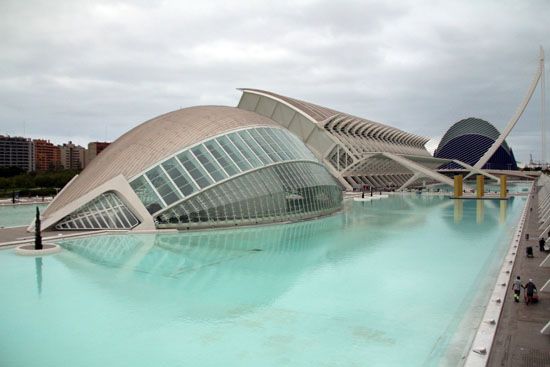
(518, 341)
(18, 235)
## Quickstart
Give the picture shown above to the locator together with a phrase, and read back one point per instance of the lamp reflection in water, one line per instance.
(458, 210)
(503, 207)
(38, 270)
(480, 211)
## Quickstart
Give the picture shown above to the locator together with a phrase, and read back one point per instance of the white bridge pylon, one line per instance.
(538, 76)
(418, 170)
(476, 170)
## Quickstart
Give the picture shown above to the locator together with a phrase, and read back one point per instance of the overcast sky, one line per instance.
(91, 70)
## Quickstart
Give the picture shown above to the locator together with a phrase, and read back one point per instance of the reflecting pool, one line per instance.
(18, 215)
(395, 282)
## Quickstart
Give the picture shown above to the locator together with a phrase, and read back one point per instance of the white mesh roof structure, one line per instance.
(471, 125)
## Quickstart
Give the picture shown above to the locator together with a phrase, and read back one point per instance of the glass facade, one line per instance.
(260, 174)
(106, 211)
(289, 191)
(214, 160)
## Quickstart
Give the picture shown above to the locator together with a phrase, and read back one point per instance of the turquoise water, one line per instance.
(18, 215)
(383, 283)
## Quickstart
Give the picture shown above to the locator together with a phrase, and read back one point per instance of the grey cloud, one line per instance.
(70, 68)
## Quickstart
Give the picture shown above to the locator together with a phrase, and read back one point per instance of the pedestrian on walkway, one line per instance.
(516, 286)
(530, 290)
(541, 244)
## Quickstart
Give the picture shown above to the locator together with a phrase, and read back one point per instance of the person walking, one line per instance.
(516, 286)
(530, 289)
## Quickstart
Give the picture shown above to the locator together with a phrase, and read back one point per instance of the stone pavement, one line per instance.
(518, 341)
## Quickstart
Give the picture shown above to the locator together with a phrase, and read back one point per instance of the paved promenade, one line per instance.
(18, 235)
(518, 341)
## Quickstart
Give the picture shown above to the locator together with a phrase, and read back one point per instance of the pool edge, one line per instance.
(480, 348)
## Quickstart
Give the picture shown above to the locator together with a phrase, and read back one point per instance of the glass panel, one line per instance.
(129, 216)
(114, 217)
(260, 153)
(180, 177)
(222, 158)
(101, 221)
(269, 149)
(163, 185)
(280, 192)
(94, 223)
(104, 212)
(147, 195)
(87, 224)
(245, 150)
(194, 169)
(234, 153)
(297, 145)
(271, 136)
(123, 219)
(209, 163)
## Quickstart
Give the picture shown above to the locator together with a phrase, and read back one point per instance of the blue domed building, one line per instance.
(467, 141)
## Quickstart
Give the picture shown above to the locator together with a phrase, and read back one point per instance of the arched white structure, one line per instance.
(350, 147)
(197, 167)
(538, 74)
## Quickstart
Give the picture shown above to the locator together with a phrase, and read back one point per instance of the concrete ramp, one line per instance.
(419, 169)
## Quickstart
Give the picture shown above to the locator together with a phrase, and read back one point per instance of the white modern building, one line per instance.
(356, 151)
(198, 167)
(273, 158)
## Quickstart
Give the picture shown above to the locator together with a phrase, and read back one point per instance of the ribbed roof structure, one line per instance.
(343, 123)
(318, 113)
(358, 151)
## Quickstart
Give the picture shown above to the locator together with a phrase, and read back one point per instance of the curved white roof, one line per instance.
(154, 140)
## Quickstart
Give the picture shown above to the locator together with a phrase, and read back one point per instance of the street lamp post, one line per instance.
(37, 235)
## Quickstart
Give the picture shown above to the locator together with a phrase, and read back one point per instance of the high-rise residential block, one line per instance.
(72, 156)
(94, 148)
(16, 151)
(47, 155)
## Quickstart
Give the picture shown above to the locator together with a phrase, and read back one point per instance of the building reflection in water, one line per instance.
(243, 269)
(238, 270)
